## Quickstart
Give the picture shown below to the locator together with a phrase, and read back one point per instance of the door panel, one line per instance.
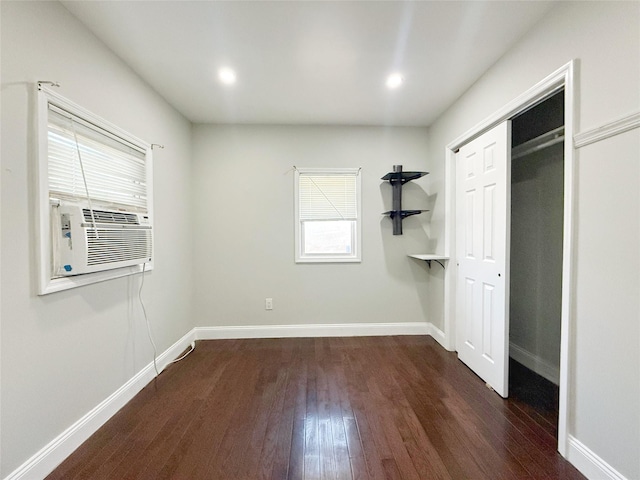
(468, 317)
(488, 320)
(482, 226)
(488, 228)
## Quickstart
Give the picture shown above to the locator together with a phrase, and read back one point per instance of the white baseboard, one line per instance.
(49, 457)
(317, 330)
(535, 363)
(438, 335)
(590, 464)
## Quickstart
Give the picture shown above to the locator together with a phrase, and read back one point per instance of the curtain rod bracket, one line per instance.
(47, 82)
(156, 145)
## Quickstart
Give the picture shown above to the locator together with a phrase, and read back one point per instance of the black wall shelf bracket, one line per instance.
(437, 261)
(397, 179)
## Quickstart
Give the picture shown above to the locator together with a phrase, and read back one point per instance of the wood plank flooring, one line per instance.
(536, 396)
(320, 408)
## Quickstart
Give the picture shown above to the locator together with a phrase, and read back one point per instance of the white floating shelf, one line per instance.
(428, 257)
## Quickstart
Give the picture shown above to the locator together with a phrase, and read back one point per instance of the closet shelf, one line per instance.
(535, 144)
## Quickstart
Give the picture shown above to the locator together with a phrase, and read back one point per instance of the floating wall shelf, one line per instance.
(397, 179)
(429, 257)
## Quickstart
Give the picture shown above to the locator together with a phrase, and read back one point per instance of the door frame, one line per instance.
(563, 78)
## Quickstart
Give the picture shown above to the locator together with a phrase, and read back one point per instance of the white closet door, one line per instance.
(482, 243)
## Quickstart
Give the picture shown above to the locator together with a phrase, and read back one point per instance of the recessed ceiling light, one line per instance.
(227, 76)
(394, 80)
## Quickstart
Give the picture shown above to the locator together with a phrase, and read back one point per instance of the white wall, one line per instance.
(244, 236)
(605, 348)
(64, 353)
(535, 303)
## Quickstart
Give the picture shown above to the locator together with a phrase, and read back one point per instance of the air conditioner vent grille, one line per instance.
(104, 216)
(117, 245)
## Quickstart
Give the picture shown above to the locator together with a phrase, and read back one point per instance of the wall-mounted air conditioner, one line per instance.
(95, 240)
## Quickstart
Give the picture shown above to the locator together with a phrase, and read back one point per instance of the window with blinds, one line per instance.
(327, 215)
(92, 176)
(86, 163)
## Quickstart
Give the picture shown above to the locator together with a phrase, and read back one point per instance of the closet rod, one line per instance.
(535, 144)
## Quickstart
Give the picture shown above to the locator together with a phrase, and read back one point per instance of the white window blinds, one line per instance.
(328, 196)
(327, 215)
(114, 169)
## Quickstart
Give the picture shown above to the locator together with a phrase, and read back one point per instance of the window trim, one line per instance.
(356, 256)
(46, 282)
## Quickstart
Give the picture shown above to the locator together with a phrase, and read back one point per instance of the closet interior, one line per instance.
(537, 199)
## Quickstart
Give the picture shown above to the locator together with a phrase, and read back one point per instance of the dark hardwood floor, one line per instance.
(536, 396)
(320, 408)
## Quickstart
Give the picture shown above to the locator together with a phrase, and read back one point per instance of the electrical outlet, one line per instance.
(268, 303)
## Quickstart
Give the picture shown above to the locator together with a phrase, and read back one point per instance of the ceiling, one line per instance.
(310, 62)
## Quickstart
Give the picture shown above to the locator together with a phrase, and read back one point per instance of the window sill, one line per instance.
(328, 260)
(66, 283)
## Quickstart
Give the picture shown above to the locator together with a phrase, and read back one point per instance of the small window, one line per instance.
(94, 197)
(327, 210)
